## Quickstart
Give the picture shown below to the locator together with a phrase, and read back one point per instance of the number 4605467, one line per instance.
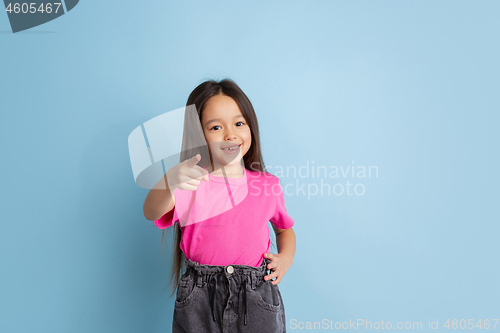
(470, 324)
(31, 8)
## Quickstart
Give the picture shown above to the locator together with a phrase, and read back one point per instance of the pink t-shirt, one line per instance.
(225, 221)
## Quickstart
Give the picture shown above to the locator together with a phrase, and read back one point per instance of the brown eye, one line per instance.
(242, 123)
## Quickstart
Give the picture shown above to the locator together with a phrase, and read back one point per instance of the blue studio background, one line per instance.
(408, 87)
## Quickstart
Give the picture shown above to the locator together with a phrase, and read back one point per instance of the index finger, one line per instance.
(193, 161)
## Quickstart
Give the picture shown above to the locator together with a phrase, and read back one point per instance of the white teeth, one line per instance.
(232, 148)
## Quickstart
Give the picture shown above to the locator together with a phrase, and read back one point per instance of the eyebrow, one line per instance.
(217, 119)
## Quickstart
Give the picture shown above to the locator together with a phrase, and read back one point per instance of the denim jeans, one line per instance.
(228, 299)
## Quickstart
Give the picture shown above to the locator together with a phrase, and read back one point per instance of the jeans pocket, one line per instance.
(186, 290)
(267, 296)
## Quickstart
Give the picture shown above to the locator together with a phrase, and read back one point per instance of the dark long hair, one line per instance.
(252, 159)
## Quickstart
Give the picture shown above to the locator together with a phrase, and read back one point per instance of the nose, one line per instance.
(230, 136)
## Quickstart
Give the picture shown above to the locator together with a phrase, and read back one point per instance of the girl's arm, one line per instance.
(184, 176)
(285, 242)
(281, 262)
(159, 201)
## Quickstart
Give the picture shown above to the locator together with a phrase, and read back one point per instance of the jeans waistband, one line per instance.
(204, 273)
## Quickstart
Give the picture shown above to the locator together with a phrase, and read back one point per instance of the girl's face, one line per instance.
(224, 127)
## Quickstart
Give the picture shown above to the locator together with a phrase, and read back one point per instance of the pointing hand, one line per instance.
(186, 175)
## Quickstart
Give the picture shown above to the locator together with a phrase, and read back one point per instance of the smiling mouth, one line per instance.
(231, 148)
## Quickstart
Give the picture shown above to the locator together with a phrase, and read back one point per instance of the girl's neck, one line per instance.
(230, 171)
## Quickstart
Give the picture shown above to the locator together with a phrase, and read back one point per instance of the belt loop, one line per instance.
(199, 279)
(253, 279)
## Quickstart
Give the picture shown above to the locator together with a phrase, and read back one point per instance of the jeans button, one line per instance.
(230, 269)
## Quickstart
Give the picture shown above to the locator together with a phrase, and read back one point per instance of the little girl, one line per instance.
(222, 200)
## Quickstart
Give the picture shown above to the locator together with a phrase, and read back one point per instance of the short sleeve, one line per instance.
(167, 220)
(280, 219)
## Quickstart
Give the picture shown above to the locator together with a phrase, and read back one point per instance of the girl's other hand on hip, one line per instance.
(280, 263)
